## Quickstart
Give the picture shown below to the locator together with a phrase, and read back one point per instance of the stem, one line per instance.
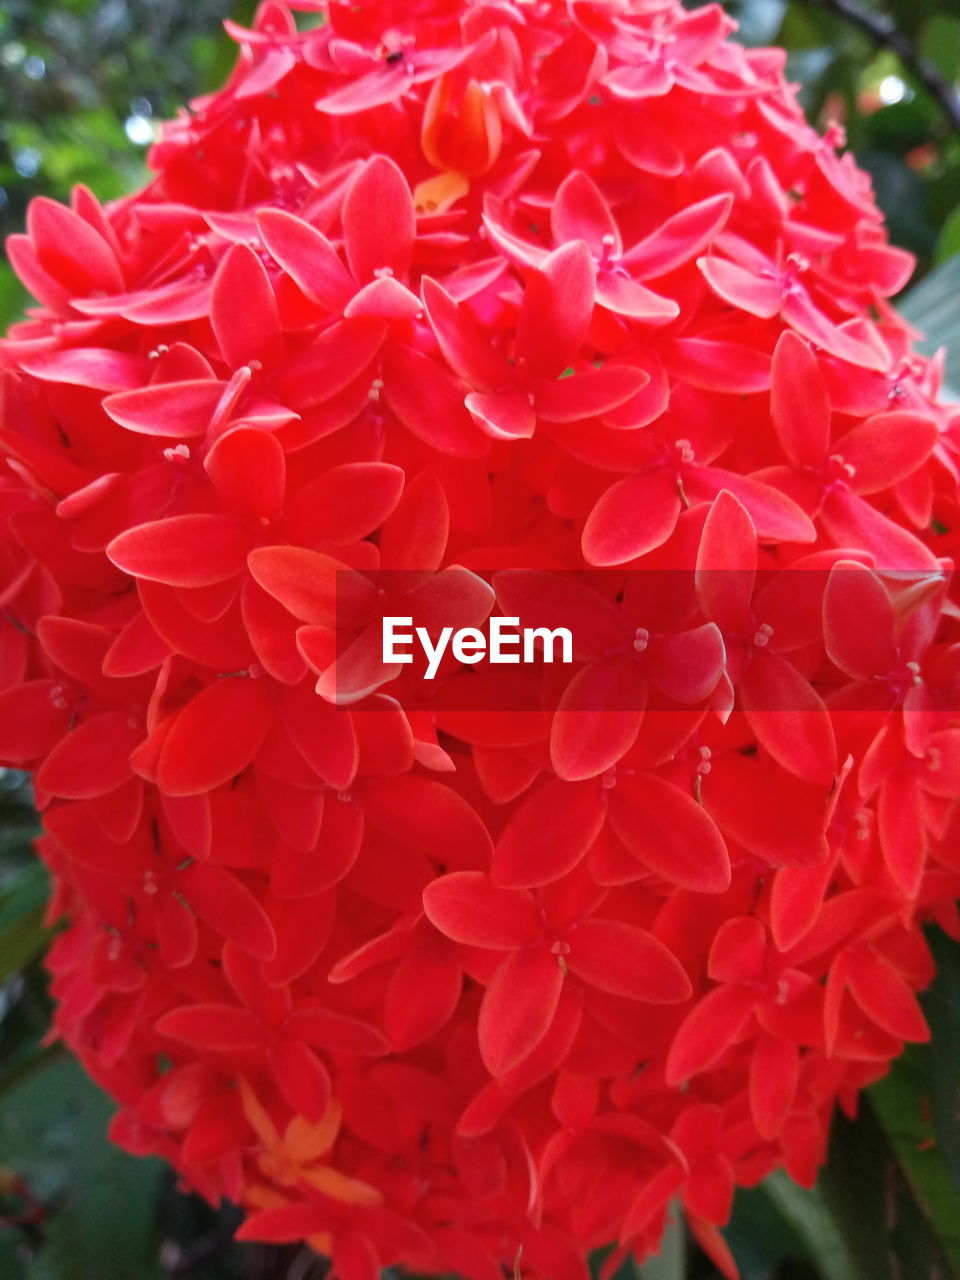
(883, 30)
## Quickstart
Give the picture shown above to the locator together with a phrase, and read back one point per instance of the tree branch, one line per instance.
(883, 30)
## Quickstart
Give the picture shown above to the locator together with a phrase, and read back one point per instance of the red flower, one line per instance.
(449, 311)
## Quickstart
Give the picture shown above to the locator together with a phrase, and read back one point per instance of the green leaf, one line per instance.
(23, 935)
(940, 44)
(12, 1262)
(903, 125)
(903, 1105)
(670, 1262)
(853, 1188)
(758, 21)
(13, 296)
(22, 942)
(941, 1003)
(27, 887)
(760, 1238)
(933, 306)
(39, 1060)
(948, 242)
(811, 1217)
(902, 195)
(102, 1202)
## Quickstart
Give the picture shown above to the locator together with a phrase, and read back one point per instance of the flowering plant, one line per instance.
(437, 309)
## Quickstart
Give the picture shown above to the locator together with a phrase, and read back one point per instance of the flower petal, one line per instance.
(99, 367)
(308, 256)
(687, 665)
(338, 1032)
(556, 310)
(463, 340)
(344, 504)
(302, 1078)
(618, 957)
(228, 906)
(727, 564)
(589, 395)
(680, 238)
(901, 830)
(223, 1028)
(597, 719)
(379, 225)
(312, 586)
(215, 736)
(422, 996)
(886, 448)
(884, 996)
(579, 212)
(800, 311)
(547, 834)
(431, 817)
(248, 469)
(503, 415)
(635, 515)
(93, 759)
(323, 734)
(415, 535)
(774, 1069)
(718, 365)
(633, 300)
(789, 717)
(711, 1026)
(774, 815)
(754, 294)
(518, 1008)
(34, 716)
(183, 551)
(858, 622)
(670, 833)
(243, 308)
(333, 360)
(385, 299)
(852, 522)
(427, 399)
(776, 517)
(467, 907)
(71, 250)
(798, 402)
(176, 410)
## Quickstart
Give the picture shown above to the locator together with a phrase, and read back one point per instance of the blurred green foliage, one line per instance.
(82, 83)
(894, 123)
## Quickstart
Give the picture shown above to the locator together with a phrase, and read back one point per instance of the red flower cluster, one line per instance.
(440, 288)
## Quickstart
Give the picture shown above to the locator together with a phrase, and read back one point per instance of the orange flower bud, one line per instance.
(461, 126)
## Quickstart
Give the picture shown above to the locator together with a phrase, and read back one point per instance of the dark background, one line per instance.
(82, 85)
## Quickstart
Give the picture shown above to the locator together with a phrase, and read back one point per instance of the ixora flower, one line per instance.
(440, 312)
